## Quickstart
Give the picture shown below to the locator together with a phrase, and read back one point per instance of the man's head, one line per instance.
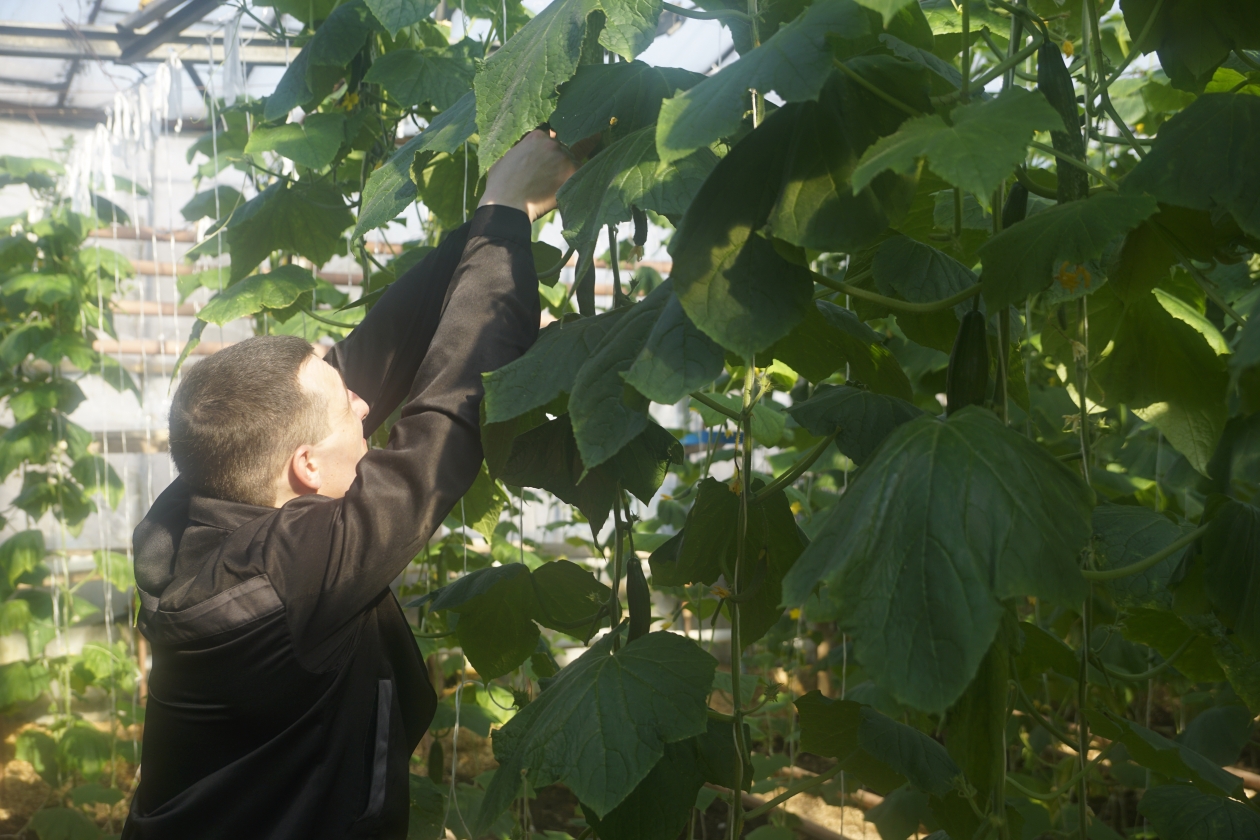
(264, 421)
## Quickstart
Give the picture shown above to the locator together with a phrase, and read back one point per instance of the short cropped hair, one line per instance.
(238, 415)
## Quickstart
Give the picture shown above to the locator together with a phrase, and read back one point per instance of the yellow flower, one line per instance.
(721, 591)
(1068, 49)
(796, 507)
(794, 613)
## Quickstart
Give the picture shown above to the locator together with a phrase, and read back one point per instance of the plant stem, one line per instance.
(614, 597)
(1082, 723)
(558, 267)
(893, 303)
(799, 787)
(697, 14)
(1134, 46)
(736, 823)
(964, 92)
(1041, 721)
(615, 259)
(1066, 787)
(887, 97)
(798, 469)
(715, 405)
(1082, 381)
(1071, 161)
(1149, 672)
(1142, 565)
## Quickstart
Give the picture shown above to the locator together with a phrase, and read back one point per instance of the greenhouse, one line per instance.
(878, 457)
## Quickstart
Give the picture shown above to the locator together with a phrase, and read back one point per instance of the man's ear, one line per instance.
(304, 476)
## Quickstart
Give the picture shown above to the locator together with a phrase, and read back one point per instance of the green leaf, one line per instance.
(90, 794)
(19, 554)
(624, 174)
(203, 204)
(318, 67)
(859, 419)
(1231, 551)
(861, 737)
(276, 289)
(628, 703)
(606, 413)
(629, 93)
(437, 75)
(39, 289)
(917, 272)
(707, 551)
(22, 682)
(793, 63)
(1168, 758)
(676, 358)
(95, 475)
(307, 219)
(1220, 733)
(1022, 260)
(768, 423)
(516, 90)
(547, 457)
(390, 190)
(312, 143)
(84, 749)
(1193, 38)
(482, 504)
(1125, 534)
(1179, 812)
(396, 14)
(888, 9)
(496, 606)
(568, 595)
(982, 146)
(64, 824)
(1043, 652)
(819, 207)
(660, 805)
(1163, 368)
(428, 808)
(1203, 158)
(828, 338)
(935, 532)
(548, 369)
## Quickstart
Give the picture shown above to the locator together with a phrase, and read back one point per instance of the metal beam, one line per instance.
(142, 45)
(147, 14)
(36, 40)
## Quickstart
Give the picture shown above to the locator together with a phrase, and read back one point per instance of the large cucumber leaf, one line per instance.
(1204, 157)
(307, 219)
(389, 189)
(937, 529)
(629, 173)
(606, 413)
(1179, 812)
(676, 358)
(976, 150)
(1023, 259)
(629, 703)
(517, 88)
(859, 419)
(793, 63)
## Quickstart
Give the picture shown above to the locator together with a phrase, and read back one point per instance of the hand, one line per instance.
(528, 176)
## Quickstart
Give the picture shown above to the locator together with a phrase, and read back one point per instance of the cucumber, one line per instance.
(640, 599)
(967, 380)
(1016, 206)
(640, 226)
(1055, 84)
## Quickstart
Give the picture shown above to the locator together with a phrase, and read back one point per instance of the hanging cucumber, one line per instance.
(639, 598)
(1016, 206)
(640, 226)
(967, 380)
(1055, 83)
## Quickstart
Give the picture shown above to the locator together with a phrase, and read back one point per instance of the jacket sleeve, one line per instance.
(332, 559)
(379, 359)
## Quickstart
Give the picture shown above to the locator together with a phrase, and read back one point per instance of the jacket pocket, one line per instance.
(380, 751)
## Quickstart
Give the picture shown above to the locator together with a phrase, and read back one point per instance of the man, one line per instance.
(287, 692)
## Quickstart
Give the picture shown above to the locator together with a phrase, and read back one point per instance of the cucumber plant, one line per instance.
(1044, 602)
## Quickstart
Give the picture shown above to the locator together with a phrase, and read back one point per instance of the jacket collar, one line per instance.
(219, 513)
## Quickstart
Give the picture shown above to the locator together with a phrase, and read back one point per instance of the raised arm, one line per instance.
(379, 359)
(341, 555)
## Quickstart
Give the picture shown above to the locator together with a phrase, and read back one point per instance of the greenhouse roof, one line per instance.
(67, 61)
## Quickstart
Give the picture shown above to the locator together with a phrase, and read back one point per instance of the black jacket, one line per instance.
(287, 692)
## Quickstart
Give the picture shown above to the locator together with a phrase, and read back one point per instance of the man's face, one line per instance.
(337, 455)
